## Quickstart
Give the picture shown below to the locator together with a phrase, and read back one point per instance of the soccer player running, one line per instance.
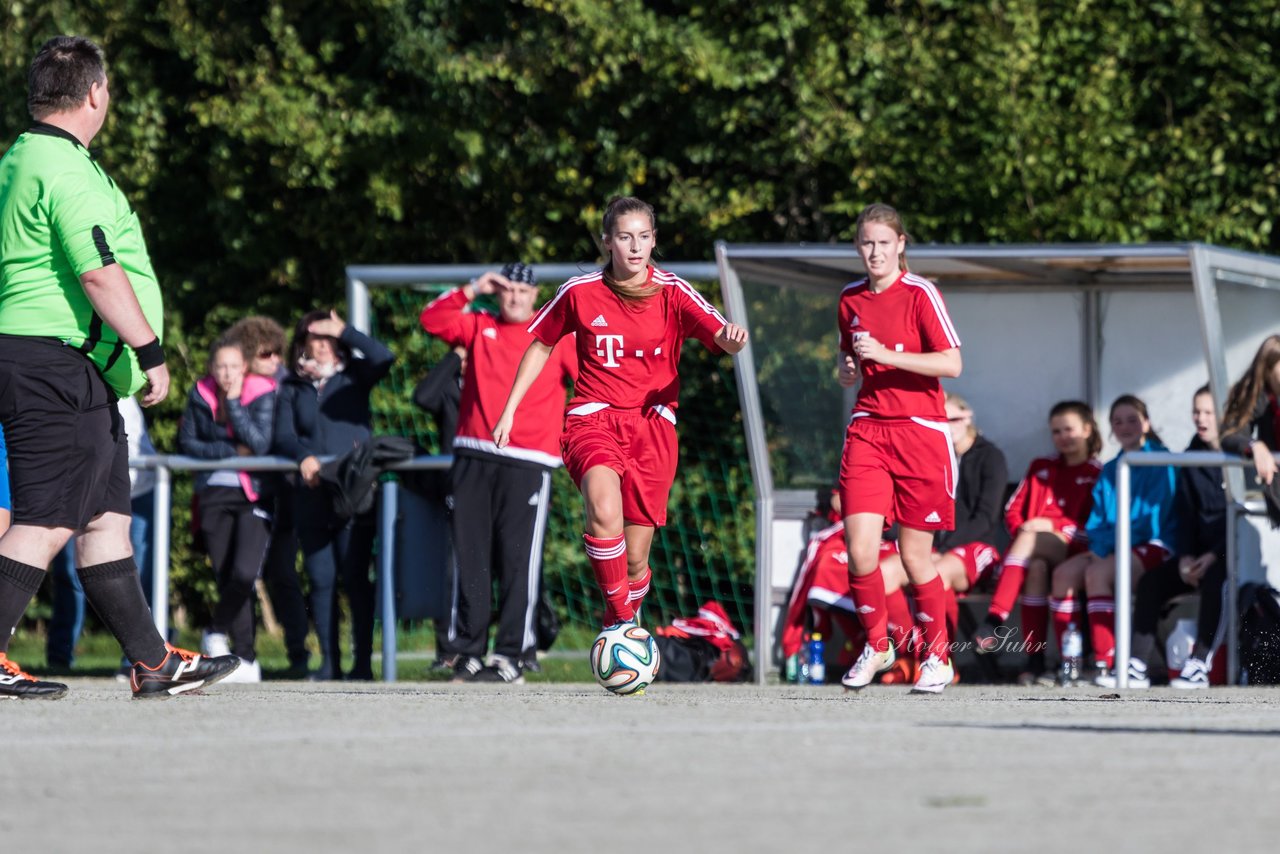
(619, 440)
(898, 463)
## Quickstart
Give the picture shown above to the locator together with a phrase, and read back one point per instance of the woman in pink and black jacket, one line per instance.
(230, 413)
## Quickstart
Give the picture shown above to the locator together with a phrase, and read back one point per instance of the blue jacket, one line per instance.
(1151, 514)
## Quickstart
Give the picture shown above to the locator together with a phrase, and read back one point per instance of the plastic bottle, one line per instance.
(1072, 653)
(802, 664)
(817, 662)
(793, 667)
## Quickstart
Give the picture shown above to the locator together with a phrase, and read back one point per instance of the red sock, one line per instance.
(931, 614)
(953, 612)
(1035, 622)
(850, 628)
(1064, 614)
(900, 622)
(1013, 573)
(1102, 628)
(868, 595)
(608, 556)
(637, 588)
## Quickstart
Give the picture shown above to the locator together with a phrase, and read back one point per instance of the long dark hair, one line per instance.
(1245, 393)
(1136, 402)
(1084, 412)
(298, 343)
(617, 208)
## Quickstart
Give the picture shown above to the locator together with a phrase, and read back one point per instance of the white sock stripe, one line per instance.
(638, 594)
(1015, 561)
(605, 554)
(1034, 600)
(1062, 606)
(1102, 607)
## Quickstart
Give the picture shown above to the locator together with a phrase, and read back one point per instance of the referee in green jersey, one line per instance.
(80, 318)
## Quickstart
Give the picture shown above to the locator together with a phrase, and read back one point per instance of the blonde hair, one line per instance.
(618, 207)
(963, 405)
(885, 215)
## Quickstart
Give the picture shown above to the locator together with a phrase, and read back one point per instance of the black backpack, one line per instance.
(1259, 635)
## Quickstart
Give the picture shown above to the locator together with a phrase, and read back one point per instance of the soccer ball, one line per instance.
(624, 658)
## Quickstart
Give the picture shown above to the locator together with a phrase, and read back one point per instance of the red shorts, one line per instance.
(902, 469)
(977, 559)
(1151, 555)
(640, 446)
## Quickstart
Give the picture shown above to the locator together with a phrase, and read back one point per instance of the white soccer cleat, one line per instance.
(866, 667)
(935, 674)
(1194, 676)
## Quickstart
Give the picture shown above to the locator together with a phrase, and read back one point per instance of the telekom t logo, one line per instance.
(610, 347)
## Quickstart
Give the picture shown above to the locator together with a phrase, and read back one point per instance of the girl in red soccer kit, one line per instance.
(1046, 518)
(898, 462)
(619, 441)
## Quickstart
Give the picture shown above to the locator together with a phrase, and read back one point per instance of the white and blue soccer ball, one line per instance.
(624, 658)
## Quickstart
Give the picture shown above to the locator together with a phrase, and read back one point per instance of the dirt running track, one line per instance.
(569, 768)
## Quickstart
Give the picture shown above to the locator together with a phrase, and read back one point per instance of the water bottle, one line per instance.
(802, 664)
(817, 663)
(793, 667)
(1072, 653)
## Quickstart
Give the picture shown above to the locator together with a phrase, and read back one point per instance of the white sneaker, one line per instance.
(1137, 676)
(214, 644)
(935, 674)
(1194, 676)
(866, 667)
(248, 673)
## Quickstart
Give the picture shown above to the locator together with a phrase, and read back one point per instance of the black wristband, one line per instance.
(150, 355)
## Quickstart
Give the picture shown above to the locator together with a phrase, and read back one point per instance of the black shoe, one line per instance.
(445, 663)
(467, 668)
(501, 669)
(530, 663)
(361, 673)
(14, 684)
(985, 638)
(181, 671)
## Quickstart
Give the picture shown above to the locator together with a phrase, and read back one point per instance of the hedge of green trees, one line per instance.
(268, 144)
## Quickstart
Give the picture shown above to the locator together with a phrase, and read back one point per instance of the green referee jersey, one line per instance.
(60, 217)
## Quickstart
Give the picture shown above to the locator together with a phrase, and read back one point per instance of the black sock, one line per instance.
(1144, 647)
(1035, 662)
(115, 593)
(18, 583)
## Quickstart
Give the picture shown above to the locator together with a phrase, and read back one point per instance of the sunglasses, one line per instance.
(267, 354)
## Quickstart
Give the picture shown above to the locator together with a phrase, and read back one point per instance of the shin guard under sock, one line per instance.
(114, 591)
(18, 584)
(868, 596)
(608, 556)
(931, 614)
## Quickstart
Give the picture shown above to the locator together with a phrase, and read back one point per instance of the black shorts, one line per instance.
(68, 454)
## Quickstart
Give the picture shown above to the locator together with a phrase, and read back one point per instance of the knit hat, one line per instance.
(519, 272)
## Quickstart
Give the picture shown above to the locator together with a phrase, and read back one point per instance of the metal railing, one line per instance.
(1124, 551)
(164, 466)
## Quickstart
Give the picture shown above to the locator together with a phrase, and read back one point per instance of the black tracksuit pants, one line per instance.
(1163, 583)
(236, 533)
(499, 523)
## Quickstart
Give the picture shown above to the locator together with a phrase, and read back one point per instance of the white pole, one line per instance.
(1124, 576)
(162, 518)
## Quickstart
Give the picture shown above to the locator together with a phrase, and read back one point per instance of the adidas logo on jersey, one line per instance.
(933, 517)
(600, 321)
(490, 332)
(840, 557)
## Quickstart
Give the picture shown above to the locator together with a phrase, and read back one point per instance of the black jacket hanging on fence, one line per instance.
(351, 478)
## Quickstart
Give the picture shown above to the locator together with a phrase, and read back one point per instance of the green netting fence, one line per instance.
(706, 551)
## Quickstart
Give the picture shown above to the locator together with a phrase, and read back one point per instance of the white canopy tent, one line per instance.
(1038, 324)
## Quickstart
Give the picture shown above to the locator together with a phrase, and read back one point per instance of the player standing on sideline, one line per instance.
(898, 462)
(80, 313)
(501, 496)
(619, 438)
